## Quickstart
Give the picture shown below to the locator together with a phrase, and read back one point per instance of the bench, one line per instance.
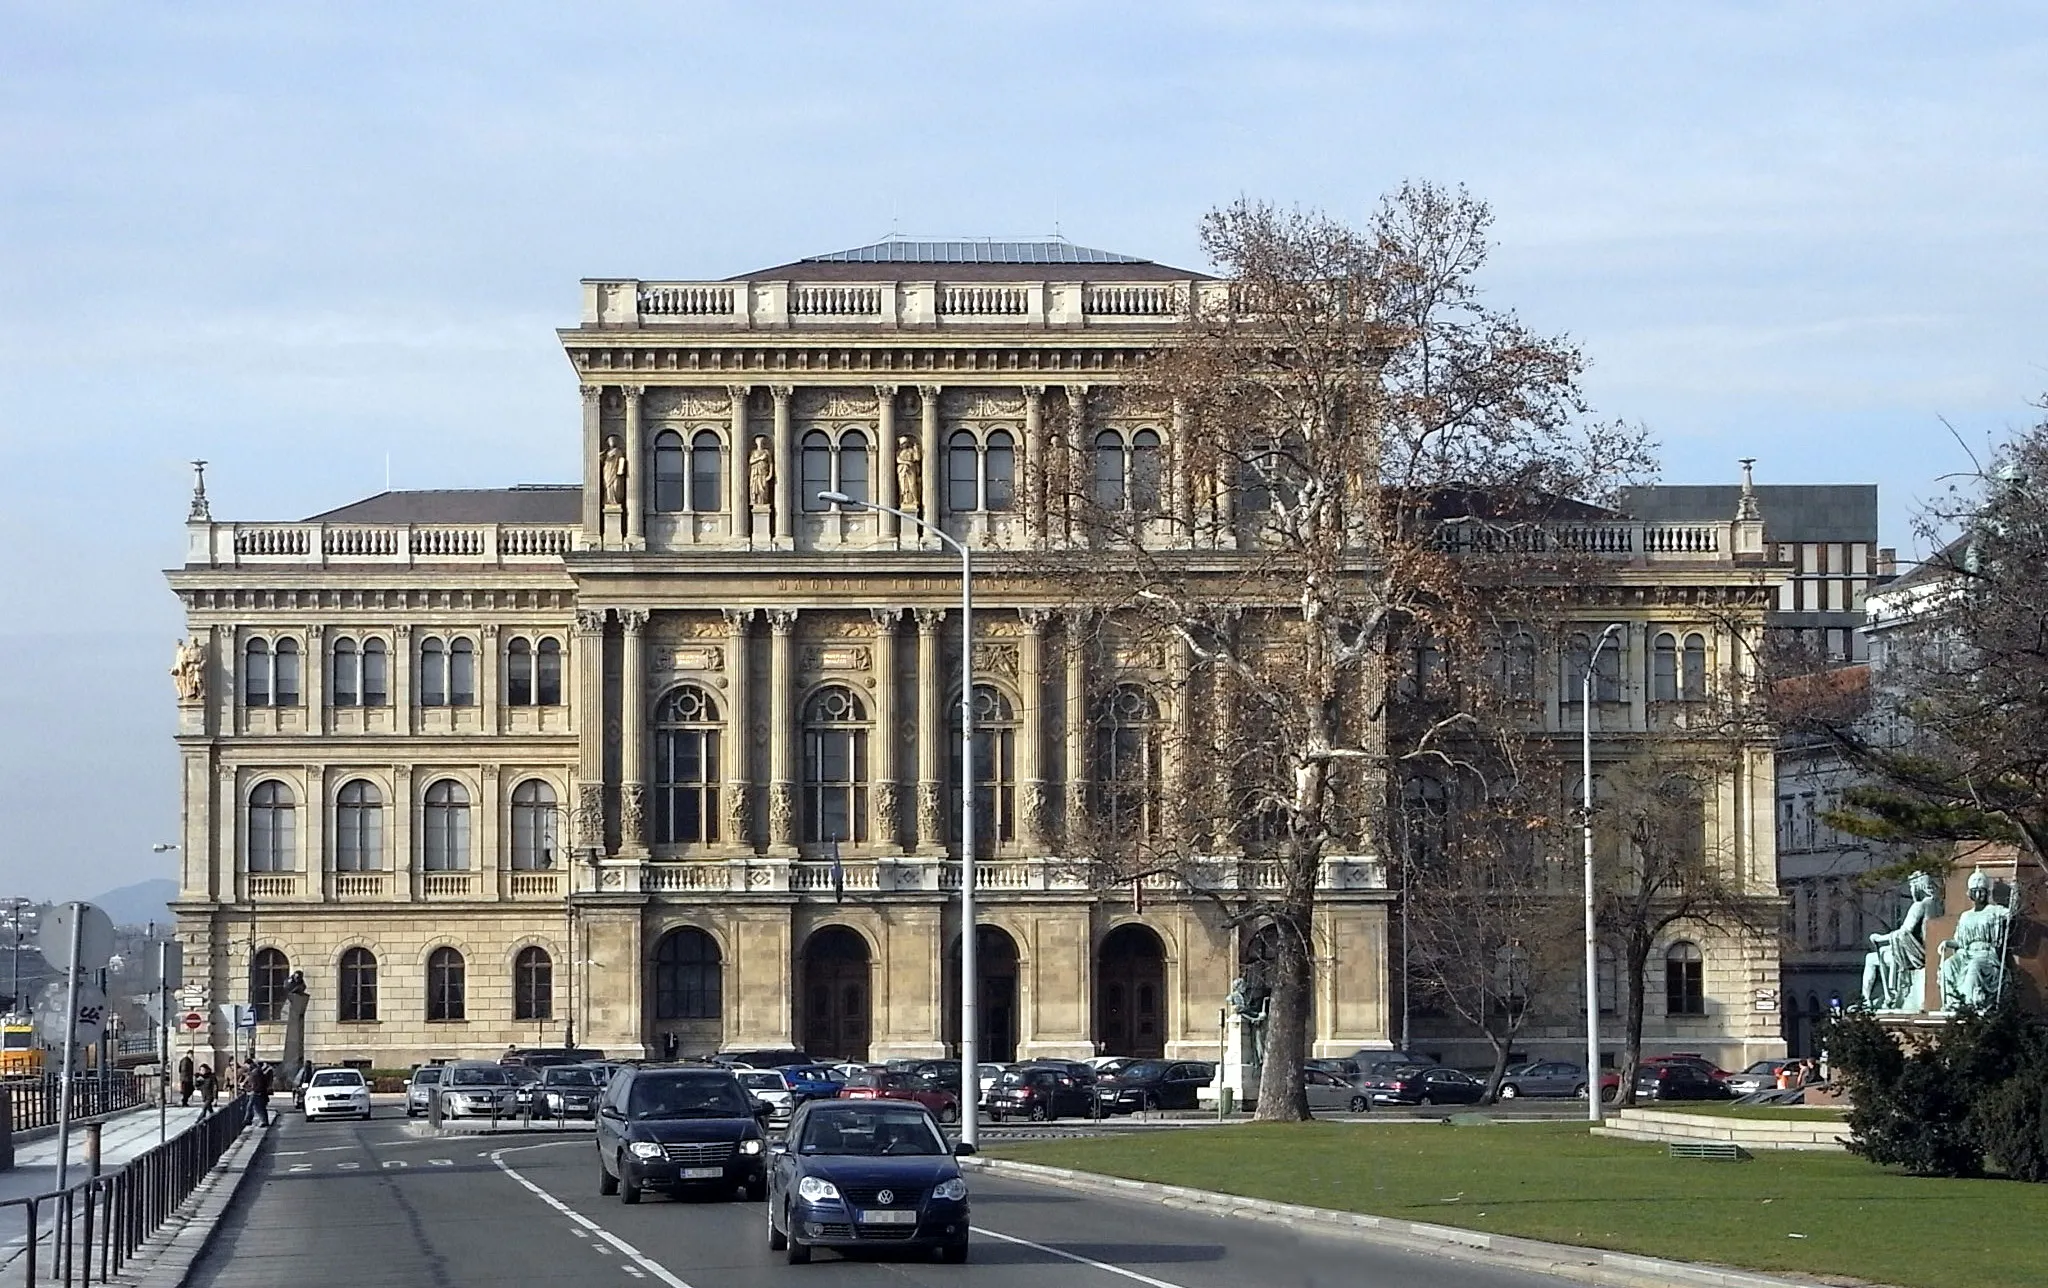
(1715, 1151)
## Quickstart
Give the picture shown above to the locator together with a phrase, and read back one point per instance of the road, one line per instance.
(358, 1204)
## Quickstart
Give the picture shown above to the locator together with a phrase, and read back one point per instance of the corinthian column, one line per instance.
(885, 459)
(1034, 460)
(737, 503)
(785, 476)
(1076, 768)
(928, 411)
(931, 814)
(636, 471)
(781, 737)
(885, 797)
(739, 732)
(633, 732)
(593, 469)
(588, 812)
(1031, 746)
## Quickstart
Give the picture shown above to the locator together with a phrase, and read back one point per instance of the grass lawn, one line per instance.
(1820, 1213)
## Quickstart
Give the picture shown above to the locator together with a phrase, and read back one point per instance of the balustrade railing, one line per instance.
(836, 301)
(984, 301)
(1132, 301)
(400, 543)
(686, 301)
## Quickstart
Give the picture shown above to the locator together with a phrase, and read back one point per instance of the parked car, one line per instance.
(1693, 1058)
(1422, 1084)
(812, 1081)
(866, 1174)
(337, 1093)
(475, 1089)
(419, 1087)
(1761, 1076)
(568, 1091)
(1153, 1084)
(1543, 1078)
(525, 1087)
(1345, 1068)
(1110, 1063)
(1327, 1091)
(768, 1087)
(670, 1128)
(542, 1057)
(762, 1058)
(986, 1077)
(1367, 1057)
(885, 1085)
(1677, 1080)
(1041, 1093)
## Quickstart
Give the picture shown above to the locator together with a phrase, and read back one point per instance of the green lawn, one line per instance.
(1821, 1213)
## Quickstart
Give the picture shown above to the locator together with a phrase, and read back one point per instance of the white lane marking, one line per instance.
(289, 1153)
(1075, 1256)
(330, 1149)
(639, 1258)
(440, 1162)
(581, 1234)
(347, 1167)
(634, 1271)
(300, 1167)
(396, 1162)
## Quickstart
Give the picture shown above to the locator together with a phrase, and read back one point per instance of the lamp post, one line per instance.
(1586, 836)
(970, 1080)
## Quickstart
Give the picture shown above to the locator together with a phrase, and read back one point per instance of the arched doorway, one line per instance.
(836, 994)
(1130, 993)
(995, 1004)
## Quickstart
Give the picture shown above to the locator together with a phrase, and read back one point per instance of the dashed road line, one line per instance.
(645, 1262)
(1103, 1266)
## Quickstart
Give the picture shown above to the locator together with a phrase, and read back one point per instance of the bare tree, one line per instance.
(1345, 402)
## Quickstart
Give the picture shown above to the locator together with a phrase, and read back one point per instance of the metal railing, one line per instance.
(96, 1225)
(33, 1101)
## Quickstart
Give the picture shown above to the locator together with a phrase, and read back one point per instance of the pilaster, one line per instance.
(785, 473)
(928, 413)
(739, 444)
(1076, 767)
(781, 736)
(490, 664)
(884, 797)
(403, 717)
(885, 457)
(313, 679)
(587, 813)
(636, 470)
(1033, 829)
(593, 471)
(931, 819)
(1034, 460)
(633, 733)
(738, 802)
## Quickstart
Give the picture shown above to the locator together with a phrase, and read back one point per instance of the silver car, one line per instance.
(421, 1086)
(476, 1089)
(768, 1087)
(1543, 1078)
(1328, 1092)
(1761, 1076)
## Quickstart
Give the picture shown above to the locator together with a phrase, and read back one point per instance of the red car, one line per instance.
(1693, 1058)
(884, 1085)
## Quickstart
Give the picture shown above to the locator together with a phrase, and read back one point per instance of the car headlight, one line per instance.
(750, 1146)
(953, 1191)
(645, 1149)
(812, 1190)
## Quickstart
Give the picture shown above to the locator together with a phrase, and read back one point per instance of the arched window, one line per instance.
(358, 990)
(1127, 761)
(358, 827)
(1680, 823)
(286, 690)
(1145, 472)
(1422, 670)
(433, 672)
(519, 673)
(835, 766)
(1522, 667)
(963, 473)
(256, 673)
(1425, 809)
(344, 687)
(446, 984)
(1607, 672)
(853, 464)
(267, 976)
(461, 673)
(999, 471)
(1572, 661)
(995, 767)
(1664, 669)
(688, 978)
(707, 473)
(1685, 991)
(273, 829)
(686, 771)
(668, 472)
(547, 680)
(533, 826)
(376, 674)
(817, 470)
(1695, 668)
(445, 846)
(533, 985)
(981, 474)
(1109, 470)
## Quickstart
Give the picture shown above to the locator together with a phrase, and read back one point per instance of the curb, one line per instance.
(167, 1258)
(1589, 1265)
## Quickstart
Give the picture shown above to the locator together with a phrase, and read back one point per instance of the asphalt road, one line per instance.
(384, 1202)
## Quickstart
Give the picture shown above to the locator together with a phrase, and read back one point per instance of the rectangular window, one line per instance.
(461, 674)
(376, 686)
(548, 675)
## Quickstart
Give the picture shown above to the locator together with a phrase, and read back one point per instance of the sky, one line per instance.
(316, 245)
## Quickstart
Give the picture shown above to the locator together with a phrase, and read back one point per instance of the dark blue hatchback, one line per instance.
(866, 1174)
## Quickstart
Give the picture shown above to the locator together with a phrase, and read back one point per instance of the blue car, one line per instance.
(812, 1082)
(866, 1174)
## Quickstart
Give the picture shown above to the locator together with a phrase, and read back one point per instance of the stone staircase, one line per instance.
(1666, 1125)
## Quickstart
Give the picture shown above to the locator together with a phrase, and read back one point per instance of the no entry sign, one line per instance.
(192, 1021)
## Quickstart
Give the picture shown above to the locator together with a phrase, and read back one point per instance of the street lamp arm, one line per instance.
(841, 498)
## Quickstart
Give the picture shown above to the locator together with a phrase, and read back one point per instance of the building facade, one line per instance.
(664, 761)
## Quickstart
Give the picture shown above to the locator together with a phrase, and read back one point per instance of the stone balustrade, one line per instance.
(236, 545)
(1624, 539)
(632, 304)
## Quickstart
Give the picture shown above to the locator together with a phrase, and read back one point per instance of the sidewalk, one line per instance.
(123, 1136)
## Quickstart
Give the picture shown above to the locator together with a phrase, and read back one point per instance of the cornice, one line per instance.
(657, 359)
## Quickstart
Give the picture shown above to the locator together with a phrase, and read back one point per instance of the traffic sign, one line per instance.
(92, 1014)
(192, 1021)
(95, 937)
(238, 1017)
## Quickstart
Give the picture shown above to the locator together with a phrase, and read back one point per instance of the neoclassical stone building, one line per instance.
(666, 760)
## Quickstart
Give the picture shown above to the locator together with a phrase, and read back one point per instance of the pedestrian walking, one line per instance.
(259, 1092)
(185, 1079)
(209, 1088)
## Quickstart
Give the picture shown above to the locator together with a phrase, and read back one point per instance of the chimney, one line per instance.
(1887, 561)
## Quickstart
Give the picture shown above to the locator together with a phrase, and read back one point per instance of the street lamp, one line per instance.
(1586, 835)
(970, 1080)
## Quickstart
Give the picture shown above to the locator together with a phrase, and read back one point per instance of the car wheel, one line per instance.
(950, 1114)
(1426, 1099)
(777, 1241)
(629, 1189)
(1509, 1091)
(1608, 1094)
(954, 1254)
(1579, 1092)
(410, 1112)
(1038, 1113)
(367, 1114)
(1359, 1104)
(1148, 1102)
(798, 1253)
(607, 1184)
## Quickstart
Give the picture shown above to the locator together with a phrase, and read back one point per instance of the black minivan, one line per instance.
(670, 1128)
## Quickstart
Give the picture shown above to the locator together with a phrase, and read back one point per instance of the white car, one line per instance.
(337, 1093)
(988, 1075)
(770, 1088)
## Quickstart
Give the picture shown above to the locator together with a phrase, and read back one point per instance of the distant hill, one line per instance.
(141, 903)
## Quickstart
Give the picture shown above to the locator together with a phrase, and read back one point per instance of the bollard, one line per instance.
(92, 1149)
(434, 1109)
(1226, 1101)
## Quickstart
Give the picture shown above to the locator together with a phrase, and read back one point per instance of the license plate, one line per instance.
(701, 1173)
(903, 1217)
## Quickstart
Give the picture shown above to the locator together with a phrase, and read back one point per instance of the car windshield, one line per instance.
(1764, 1066)
(569, 1077)
(1403, 1070)
(762, 1081)
(426, 1074)
(689, 1096)
(489, 1075)
(895, 1132)
(337, 1078)
(1142, 1070)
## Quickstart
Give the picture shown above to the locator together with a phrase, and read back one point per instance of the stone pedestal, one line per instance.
(1238, 1072)
(2015, 885)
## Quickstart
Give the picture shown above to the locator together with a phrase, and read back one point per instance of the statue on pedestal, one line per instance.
(188, 671)
(909, 475)
(612, 472)
(1249, 1004)
(761, 474)
(1892, 969)
(1973, 962)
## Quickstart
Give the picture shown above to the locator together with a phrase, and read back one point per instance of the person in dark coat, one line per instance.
(209, 1088)
(259, 1083)
(185, 1079)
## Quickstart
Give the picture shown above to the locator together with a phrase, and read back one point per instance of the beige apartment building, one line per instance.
(665, 761)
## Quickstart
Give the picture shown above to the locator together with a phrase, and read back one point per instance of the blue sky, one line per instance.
(296, 240)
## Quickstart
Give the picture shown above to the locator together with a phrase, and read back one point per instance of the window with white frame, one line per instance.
(835, 766)
(376, 673)
(358, 827)
(273, 828)
(447, 672)
(995, 767)
(444, 840)
(533, 672)
(344, 674)
(534, 811)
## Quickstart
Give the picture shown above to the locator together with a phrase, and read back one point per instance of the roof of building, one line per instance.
(1792, 511)
(974, 259)
(526, 503)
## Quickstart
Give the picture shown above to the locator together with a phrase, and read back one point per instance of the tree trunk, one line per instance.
(1501, 1046)
(1632, 1028)
(1282, 1098)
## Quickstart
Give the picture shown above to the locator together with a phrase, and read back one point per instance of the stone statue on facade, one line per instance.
(761, 474)
(188, 671)
(909, 475)
(1973, 962)
(612, 471)
(1249, 1006)
(1893, 968)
